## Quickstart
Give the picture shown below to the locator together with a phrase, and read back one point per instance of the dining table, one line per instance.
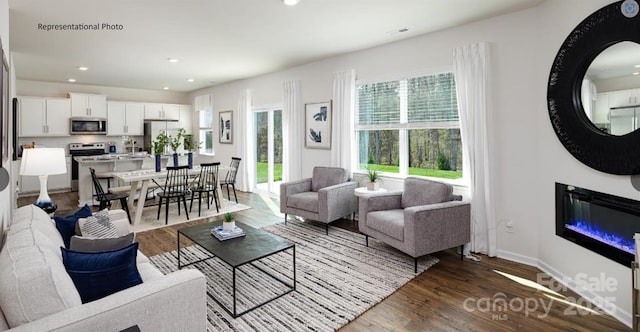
(142, 179)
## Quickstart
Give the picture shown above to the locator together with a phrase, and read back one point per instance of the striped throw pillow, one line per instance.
(98, 226)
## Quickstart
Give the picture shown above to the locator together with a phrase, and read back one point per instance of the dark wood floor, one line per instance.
(435, 300)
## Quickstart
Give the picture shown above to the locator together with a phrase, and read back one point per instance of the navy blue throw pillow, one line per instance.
(67, 225)
(99, 274)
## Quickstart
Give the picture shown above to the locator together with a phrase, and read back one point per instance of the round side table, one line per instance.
(361, 191)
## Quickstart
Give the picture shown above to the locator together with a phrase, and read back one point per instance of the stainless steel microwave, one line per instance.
(88, 126)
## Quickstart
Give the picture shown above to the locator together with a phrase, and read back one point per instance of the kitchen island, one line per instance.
(108, 163)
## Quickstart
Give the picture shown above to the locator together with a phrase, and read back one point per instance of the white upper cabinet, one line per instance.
(88, 105)
(44, 116)
(124, 118)
(164, 112)
(203, 102)
(624, 98)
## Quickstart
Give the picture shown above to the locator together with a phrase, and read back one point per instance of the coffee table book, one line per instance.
(222, 235)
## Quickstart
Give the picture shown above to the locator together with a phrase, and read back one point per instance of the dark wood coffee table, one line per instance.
(255, 245)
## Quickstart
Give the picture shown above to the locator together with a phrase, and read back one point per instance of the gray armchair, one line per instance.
(424, 218)
(325, 197)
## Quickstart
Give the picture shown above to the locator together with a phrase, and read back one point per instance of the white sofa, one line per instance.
(37, 294)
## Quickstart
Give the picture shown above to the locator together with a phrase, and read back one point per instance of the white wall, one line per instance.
(527, 157)
(555, 164)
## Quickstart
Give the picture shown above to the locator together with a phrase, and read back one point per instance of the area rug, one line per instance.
(149, 219)
(338, 278)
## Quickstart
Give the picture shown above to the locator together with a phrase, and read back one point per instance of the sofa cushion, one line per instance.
(307, 201)
(33, 280)
(327, 176)
(98, 225)
(67, 225)
(84, 244)
(389, 222)
(97, 275)
(147, 270)
(424, 192)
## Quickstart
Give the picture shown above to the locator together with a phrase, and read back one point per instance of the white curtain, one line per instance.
(245, 146)
(292, 131)
(471, 70)
(342, 141)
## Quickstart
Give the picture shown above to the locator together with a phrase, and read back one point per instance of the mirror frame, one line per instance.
(599, 150)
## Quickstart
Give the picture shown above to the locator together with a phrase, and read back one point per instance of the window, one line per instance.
(410, 127)
(205, 125)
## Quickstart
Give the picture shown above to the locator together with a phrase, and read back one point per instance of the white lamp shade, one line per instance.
(43, 161)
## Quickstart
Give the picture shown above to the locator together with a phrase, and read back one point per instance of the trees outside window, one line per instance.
(410, 126)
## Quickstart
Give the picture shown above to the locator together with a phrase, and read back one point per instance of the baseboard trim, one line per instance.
(619, 314)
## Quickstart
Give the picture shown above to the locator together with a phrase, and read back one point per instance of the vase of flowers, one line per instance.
(229, 222)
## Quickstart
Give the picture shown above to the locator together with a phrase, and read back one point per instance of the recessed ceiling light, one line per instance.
(636, 73)
(393, 32)
(637, 66)
(290, 2)
(190, 80)
(72, 80)
(83, 68)
(165, 88)
(173, 60)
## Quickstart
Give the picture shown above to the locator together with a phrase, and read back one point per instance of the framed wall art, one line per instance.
(226, 127)
(318, 125)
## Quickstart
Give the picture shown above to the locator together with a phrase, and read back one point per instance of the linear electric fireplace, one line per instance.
(600, 222)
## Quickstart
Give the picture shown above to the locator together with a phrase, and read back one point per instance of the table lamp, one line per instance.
(43, 162)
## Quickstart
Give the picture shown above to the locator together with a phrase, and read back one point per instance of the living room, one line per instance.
(526, 157)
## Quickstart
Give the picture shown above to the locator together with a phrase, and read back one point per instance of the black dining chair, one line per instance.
(207, 182)
(230, 178)
(176, 186)
(105, 199)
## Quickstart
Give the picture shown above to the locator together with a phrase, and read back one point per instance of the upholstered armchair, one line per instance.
(424, 218)
(325, 197)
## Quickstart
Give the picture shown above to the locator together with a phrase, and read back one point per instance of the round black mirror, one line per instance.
(590, 144)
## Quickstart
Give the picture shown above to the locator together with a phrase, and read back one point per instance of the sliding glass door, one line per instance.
(268, 138)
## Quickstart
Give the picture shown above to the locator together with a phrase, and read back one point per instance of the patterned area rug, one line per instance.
(338, 278)
(150, 214)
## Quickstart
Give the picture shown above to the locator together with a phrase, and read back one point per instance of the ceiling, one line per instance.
(216, 41)
(616, 61)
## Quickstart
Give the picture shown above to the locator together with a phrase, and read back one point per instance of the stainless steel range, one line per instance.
(80, 149)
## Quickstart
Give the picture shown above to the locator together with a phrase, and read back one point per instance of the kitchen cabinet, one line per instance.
(125, 118)
(203, 102)
(88, 105)
(624, 98)
(31, 184)
(162, 112)
(43, 116)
